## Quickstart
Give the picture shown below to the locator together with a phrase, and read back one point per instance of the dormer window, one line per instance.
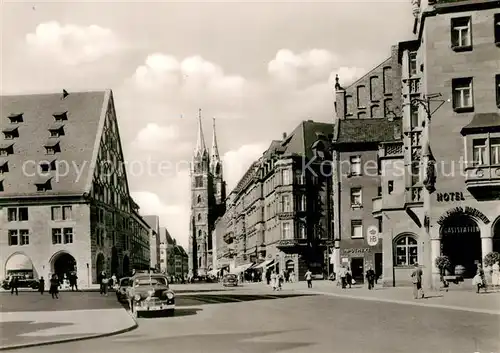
(16, 118)
(43, 184)
(11, 132)
(47, 166)
(60, 116)
(6, 149)
(56, 130)
(4, 166)
(52, 147)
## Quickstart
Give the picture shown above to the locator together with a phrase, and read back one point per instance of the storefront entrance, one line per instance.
(357, 269)
(461, 242)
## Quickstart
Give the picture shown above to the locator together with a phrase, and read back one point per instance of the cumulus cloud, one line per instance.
(289, 66)
(188, 80)
(72, 44)
(236, 162)
(154, 137)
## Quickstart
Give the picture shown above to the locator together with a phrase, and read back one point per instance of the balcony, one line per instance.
(483, 180)
(290, 244)
(377, 205)
(286, 215)
(390, 150)
(414, 196)
(414, 86)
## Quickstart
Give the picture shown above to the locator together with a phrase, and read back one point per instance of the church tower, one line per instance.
(207, 201)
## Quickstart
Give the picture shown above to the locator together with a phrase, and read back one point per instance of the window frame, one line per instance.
(497, 85)
(412, 64)
(355, 223)
(496, 29)
(13, 234)
(456, 34)
(484, 146)
(457, 84)
(17, 213)
(407, 246)
(57, 239)
(355, 160)
(286, 230)
(356, 192)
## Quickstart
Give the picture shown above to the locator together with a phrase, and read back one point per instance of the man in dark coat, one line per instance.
(370, 278)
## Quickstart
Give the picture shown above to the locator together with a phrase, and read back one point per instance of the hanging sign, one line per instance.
(372, 236)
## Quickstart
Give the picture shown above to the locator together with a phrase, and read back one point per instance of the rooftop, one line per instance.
(368, 131)
(27, 122)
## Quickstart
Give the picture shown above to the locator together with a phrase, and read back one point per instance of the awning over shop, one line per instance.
(265, 264)
(19, 262)
(243, 268)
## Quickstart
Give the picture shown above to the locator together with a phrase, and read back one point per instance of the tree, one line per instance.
(491, 258)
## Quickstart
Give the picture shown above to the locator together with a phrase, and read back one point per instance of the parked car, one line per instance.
(150, 292)
(230, 280)
(22, 282)
(121, 291)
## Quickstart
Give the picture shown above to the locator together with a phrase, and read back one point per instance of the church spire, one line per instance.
(215, 149)
(201, 148)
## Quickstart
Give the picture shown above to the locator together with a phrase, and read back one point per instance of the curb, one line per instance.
(405, 302)
(74, 339)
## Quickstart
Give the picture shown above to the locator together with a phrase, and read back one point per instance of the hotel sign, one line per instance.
(450, 196)
(469, 211)
(453, 230)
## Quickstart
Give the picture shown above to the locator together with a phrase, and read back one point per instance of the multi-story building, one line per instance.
(280, 213)
(65, 204)
(448, 197)
(367, 128)
(154, 240)
(182, 270)
(208, 194)
(223, 240)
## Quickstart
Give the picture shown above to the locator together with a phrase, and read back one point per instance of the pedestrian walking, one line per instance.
(479, 280)
(54, 286)
(343, 276)
(14, 285)
(274, 280)
(73, 281)
(348, 277)
(370, 278)
(268, 277)
(416, 275)
(41, 285)
(308, 277)
(104, 284)
(495, 274)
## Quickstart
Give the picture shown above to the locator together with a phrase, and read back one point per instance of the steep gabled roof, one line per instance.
(83, 115)
(305, 134)
(368, 131)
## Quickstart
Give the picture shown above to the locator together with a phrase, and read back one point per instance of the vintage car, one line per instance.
(121, 291)
(230, 280)
(22, 282)
(150, 292)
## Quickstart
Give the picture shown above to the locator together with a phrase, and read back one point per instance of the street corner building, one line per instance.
(440, 181)
(279, 215)
(65, 204)
(368, 130)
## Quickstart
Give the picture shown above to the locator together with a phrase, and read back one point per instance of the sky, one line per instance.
(259, 68)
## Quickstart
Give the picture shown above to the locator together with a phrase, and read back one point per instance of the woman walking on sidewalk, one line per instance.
(417, 282)
(54, 286)
(479, 280)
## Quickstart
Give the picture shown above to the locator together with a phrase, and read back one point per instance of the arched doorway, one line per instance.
(99, 265)
(496, 236)
(461, 242)
(63, 264)
(114, 261)
(290, 266)
(126, 266)
(19, 264)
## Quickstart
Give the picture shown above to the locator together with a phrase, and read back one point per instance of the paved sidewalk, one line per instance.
(31, 319)
(456, 300)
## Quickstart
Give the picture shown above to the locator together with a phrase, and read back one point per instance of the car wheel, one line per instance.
(134, 312)
(170, 312)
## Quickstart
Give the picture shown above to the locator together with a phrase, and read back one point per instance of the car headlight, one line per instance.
(170, 295)
(137, 297)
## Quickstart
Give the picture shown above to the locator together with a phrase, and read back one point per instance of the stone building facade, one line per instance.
(208, 194)
(65, 205)
(446, 201)
(280, 214)
(367, 125)
(154, 241)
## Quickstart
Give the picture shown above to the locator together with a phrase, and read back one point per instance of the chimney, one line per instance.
(284, 136)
